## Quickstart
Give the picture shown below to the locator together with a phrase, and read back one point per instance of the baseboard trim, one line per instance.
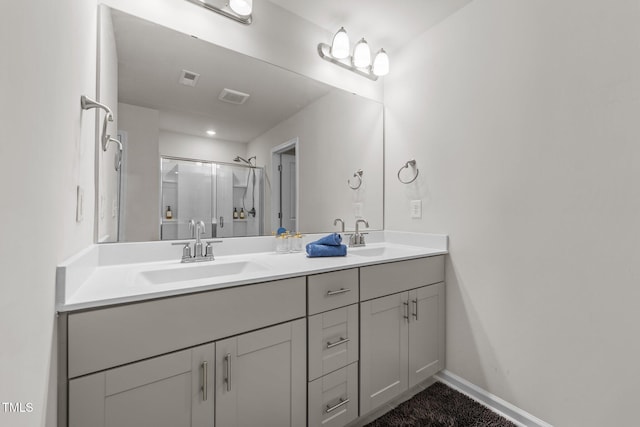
(511, 412)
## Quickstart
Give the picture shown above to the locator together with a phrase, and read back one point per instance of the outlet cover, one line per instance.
(79, 203)
(416, 209)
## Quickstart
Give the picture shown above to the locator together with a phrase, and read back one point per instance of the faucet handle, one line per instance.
(186, 249)
(209, 248)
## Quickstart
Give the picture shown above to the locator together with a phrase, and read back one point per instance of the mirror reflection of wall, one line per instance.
(168, 87)
(226, 198)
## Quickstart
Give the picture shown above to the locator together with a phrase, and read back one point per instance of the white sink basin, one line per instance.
(189, 272)
(380, 251)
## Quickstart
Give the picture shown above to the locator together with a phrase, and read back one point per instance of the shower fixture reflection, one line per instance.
(250, 174)
(239, 159)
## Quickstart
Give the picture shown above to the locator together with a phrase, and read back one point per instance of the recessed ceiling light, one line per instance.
(211, 132)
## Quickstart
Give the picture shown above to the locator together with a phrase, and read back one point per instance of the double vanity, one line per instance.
(253, 338)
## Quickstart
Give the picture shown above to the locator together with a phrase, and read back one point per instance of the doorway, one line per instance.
(284, 193)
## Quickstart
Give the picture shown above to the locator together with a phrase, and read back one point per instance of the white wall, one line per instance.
(193, 147)
(338, 134)
(141, 174)
(523, 117)
(47, 148)
(275, 36)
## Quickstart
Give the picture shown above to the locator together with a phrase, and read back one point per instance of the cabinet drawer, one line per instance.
(332, 290)
(333, 399)
(390, 278)
(104, 338)
(333, 340)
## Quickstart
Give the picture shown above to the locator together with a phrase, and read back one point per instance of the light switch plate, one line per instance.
(79, 203)
(416, 209)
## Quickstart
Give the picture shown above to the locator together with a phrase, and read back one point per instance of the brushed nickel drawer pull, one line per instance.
(227, 379)
(338, 292)
(406, 310)
(337, 343)
(205, 375)
(415, 307)
(342, 402)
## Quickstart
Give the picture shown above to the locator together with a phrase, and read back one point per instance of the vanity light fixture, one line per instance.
(360, 61)
(238, 10)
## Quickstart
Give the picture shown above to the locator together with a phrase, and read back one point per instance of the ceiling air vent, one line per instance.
(188, 78)
(233, 96)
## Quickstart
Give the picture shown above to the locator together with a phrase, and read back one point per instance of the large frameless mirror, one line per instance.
(284, 152)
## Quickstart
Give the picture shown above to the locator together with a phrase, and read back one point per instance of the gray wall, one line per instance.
(47, 148)
(523, 117)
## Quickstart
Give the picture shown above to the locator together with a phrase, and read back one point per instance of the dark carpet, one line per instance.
(441, 406)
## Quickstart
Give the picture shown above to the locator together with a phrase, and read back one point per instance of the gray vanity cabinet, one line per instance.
(174, 390)
(402, 333)
(261, 378)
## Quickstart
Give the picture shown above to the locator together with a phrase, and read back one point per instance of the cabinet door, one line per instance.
(164, 391)
(384, 346)
(261, 378)
(426, 332)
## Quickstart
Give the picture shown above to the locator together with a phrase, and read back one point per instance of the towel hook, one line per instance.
(411, 163)
(357, 174)
(87, 104)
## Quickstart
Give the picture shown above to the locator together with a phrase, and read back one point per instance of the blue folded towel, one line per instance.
(315, 250)
(333, 239)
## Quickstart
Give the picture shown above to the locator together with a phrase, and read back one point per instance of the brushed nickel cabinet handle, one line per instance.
(342, 402)
(337, 343)
(338, 292)
(205, 375)
(227, 379)
(415, 308)
(406, 310)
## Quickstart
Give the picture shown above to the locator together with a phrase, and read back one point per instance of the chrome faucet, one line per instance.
(335, 222)
(357, 239)
(200, 251)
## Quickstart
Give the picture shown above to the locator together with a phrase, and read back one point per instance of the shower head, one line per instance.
(241, 159)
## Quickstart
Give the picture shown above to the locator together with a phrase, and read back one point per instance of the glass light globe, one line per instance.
(340, 44)
(381, 63)
(241, 7)
(362, 54)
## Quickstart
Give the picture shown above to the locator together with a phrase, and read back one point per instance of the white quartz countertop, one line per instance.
(91, 279)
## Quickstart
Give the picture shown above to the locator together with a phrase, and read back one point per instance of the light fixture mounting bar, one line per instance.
(224, 11)
(324, 50)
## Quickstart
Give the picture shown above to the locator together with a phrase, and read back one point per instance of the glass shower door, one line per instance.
(186, 193)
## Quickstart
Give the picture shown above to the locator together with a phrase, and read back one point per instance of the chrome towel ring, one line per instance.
(411, 163)
(357, 174)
